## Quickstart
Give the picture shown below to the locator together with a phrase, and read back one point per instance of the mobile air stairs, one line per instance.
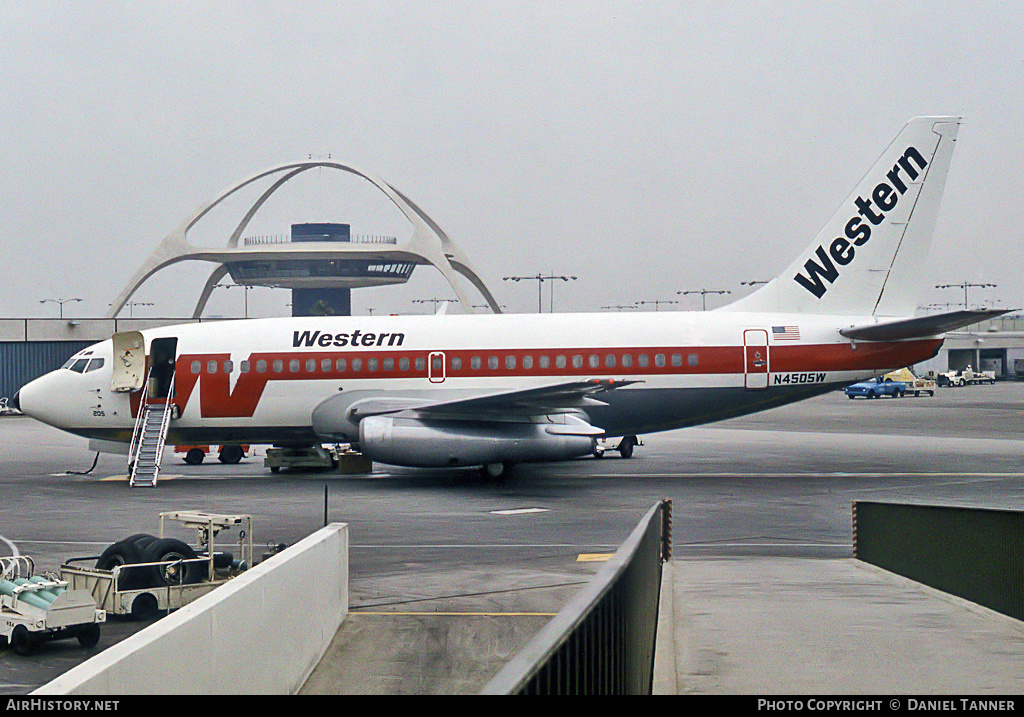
(149, 437)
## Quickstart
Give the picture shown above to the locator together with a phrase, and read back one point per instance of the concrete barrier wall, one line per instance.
(261, 633)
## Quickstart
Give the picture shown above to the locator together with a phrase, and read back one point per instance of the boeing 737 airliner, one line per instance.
(493, 390)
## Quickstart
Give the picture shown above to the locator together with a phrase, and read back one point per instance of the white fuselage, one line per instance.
(260, 381)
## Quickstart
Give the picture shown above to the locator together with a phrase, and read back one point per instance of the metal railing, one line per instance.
(974, 553)
(602, 642)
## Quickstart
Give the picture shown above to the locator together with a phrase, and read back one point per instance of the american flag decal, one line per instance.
(786, 333)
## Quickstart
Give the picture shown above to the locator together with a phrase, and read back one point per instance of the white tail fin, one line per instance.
(869, 257)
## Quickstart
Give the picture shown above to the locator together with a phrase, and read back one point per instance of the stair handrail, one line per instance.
(136, 444)
(165, 421)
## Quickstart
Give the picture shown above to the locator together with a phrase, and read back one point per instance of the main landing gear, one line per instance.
(625, 446)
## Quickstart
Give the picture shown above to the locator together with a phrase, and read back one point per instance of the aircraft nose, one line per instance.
(16, 401)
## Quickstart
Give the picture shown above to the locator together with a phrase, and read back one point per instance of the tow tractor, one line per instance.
(34, 608)
(144, 574)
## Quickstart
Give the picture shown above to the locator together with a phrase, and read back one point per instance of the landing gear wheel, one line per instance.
(164, 550)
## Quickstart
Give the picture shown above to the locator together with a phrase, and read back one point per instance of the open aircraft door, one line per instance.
(129, 365)
(755, 359)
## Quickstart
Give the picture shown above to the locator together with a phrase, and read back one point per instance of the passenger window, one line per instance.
(692, 359)
(559, 361)
(510, 362)
(456, 363)
(261, 366)
(371, 364)
(389, 364)
(642, 361)
(278, 365)
(244, 367)
(340, 365)
(594, 360)
(492, 362)
(677, 359)
(577, 361)
(403, 364)
(211, 367)
(357, 365)
(310, 365)
(659, 360)
(293, 365)
(474, 363)
(197, 367)
(421, 364)
(627, 360)
(544, 362)
(609, 361)
(325, 365)
(527, 362)
(229, 366)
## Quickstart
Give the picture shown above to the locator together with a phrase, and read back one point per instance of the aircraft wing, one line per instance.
(921, 326)
(522, 403)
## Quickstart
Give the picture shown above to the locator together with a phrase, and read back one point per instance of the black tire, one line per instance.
(230, 454)
(626, 447)
(169, 549)
(194, 456)
(89, 635)
(123, 552)
(23, 641)
(127, 552)
(144, 606)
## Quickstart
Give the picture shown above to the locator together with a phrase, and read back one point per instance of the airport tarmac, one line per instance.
(450, 576)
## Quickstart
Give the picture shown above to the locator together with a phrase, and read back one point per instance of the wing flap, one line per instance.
(522, 403)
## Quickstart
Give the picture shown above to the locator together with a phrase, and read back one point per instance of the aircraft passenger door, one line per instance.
(128, 370)
(162, 353)
(755, 359)
(435, 367)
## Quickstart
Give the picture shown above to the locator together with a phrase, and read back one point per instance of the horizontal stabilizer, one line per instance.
(921, 326)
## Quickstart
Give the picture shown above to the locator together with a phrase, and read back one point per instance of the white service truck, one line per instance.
(35, 608)
(144, 574)
(966, 377)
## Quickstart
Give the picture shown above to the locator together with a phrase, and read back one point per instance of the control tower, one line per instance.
(321, 285)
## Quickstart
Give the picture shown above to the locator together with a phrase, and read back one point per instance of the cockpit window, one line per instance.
(94, 364)
(79, 365)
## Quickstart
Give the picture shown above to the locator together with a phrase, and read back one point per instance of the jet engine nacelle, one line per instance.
(413, 442)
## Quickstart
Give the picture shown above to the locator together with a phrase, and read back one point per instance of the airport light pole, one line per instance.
(238, 286)
(61, 302)
(435, 301)
(964, 287)
(656, 302)
(704, 295)
(540, 279)
(132, 304)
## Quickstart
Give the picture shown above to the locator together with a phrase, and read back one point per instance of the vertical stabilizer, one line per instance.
(869, 258)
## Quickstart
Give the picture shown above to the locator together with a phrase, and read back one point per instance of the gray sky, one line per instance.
(646, 148)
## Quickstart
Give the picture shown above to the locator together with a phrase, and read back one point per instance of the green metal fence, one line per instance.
(973, 553)
(602, 642)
